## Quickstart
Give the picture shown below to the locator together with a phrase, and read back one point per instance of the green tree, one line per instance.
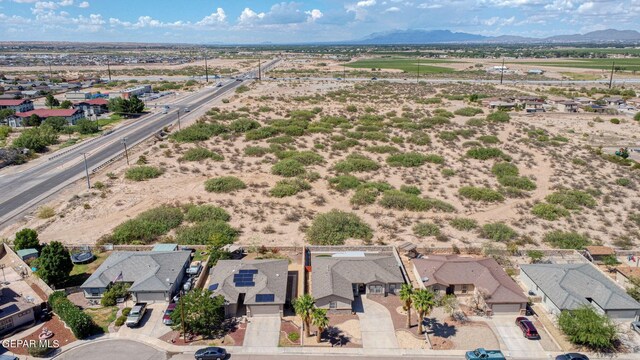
(36, 139)
(610, 261)
(116, 291)
(66, 104)
(33, 120)
(319, 318)
(26, 239)
(51, 101)
(203, 314)
(303, 306)
(86, 126)
(449, 304)
(135, 106)
(423, 301)
(406, 295)
(56, 122)
(584, 326)
(54, 264)
(5, 113)
(215, 248)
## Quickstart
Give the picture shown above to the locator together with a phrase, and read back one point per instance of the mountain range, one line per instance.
(417, 37)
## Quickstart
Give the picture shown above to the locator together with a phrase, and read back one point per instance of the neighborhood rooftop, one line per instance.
(260, 280)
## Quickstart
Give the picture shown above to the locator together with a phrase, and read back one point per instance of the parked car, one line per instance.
(194, 268)
(219, 85)
(238, 79)
(136, 314)
(528, 329)
(211, 353)
(572, 356)
(374, 78)
(186, 110)
(166, 318)
(481, 353)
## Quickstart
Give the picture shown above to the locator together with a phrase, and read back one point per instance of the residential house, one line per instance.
(597, 254)
(466, 276)
(570, 286)
(92, 107)
(18, 105)
(252, 287)
(153, 275)
(534, 106)
(337, 279)
(129, 92)
(568, 106)
(595, 108)
(71, 115)
(529, 99)
(500, 104)
(624, 275)
(614, 101)
(77, 95)
(584, 100)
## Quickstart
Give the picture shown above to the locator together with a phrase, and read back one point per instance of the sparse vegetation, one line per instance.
(289, 187)
(199, 154)
(142, 173)
(336, 226)
(356, 163)
(480, 194)
(224, 184)
(425, 229)
(147, 226)
(566, 240)
(463, 224)
(549, 212)
(498, 232)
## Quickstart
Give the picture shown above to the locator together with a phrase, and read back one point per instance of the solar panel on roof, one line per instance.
(213, 287)
(245, 284)
(262, 298)
(248, 271)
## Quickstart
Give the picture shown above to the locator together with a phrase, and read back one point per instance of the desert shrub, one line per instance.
(202, 213)
(261, 133)
(344, 144)
(634, 218)
(615, 121)
(448, 172)
(80, 323)
(281, 140)
(288, 168)
(419, 138)
(586, 327)
(411, 159)
(549, 212)
(468, 111)
(425, 229)
(481, 153)
(336, 226)
(289, 187)
(566, 240)
(36, 139)
(571, 199)
(141, 173)
(147, 226)
(303, 157)
(448, 136)
(475, 122)
(198, 132)
(623, 182)
(356, 163)
(636, 117)
(518, 182)
(489, 139)
(38, 350)
(413, 190)
(201, 233)
(344, 182)
(504, 169)
(200, 153)
(45, 212)
(256, 151)
(382, 149)
(499, 116)
(364, 196)
(243, 125)
(395, 199)
(480, 194)
(498, 232)
(224, 184)
(463, 224)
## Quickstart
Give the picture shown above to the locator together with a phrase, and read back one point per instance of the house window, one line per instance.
(376, 289)
(464, 288)
(333, 305)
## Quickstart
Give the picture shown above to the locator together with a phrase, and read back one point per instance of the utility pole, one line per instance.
(418, 77)
(179, 128)
(206, 68)
(109, 70)
(613, 67)
(126, 152)
(184, 329)
(50, 72)
(502, 72)
(259, 69)
(86, 170)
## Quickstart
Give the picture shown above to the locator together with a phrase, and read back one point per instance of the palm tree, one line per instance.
(303, 307)
(320, 319)
(423, 301)
(406, 295)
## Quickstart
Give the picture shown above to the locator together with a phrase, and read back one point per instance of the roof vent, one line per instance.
(425, 279)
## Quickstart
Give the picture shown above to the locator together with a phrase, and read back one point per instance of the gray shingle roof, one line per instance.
(483, 273)
(146, 270)
(270, 279)
(569, 285)
(335, 275)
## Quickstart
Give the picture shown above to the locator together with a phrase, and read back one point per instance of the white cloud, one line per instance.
(66, 3)
(248, 16)
(314, 15)
(366, 3)
(391, 9)
(218, 17)
(25, 1)
(429, 6)
(83, 5)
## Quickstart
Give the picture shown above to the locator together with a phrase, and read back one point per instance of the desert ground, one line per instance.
(406, 137)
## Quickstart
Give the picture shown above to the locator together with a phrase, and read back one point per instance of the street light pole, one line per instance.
(86, 170)
(206, 68)
(179, 128)
(418, 77)
(259, 69)
(126, 152)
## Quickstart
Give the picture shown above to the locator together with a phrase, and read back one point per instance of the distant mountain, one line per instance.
(416, 37)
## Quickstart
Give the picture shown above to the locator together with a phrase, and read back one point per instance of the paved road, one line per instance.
(114, 350)
(23, 189)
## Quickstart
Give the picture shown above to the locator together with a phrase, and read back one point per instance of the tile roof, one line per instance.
(484, 273)
(146, 270)
(98, 101)
(335, 275)
(12, 102)
(629, 271)
(45, 113)
(569, 285)
(271, 278)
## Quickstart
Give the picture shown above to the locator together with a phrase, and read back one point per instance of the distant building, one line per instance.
(568, 106)
(128, 93)
(77, 95)
(535, 72)
(27, 254)
(19, 105)
(92, 107)
(71, 115)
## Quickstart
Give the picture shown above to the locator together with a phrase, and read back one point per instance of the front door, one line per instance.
(450, 289)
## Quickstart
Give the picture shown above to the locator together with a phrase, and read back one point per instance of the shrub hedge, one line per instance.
(81, 324)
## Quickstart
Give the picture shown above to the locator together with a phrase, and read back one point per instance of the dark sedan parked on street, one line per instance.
(211, 353)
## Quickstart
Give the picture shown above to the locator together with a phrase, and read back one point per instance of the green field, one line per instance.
(407, 65)
(596, 64)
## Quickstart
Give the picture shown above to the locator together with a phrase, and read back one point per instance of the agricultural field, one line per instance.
(330, 162)
(629, 65)
(409, 65)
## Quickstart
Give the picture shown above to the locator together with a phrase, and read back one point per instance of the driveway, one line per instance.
(514, 341)
(262, 331)
(151, 324)
(113, 349)
(376, 326)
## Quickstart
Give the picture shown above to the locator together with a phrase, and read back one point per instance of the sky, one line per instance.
(262, 21)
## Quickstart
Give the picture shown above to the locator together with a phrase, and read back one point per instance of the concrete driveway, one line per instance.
(151, 324)
(376, 326)
(512, 338)
(262, 331)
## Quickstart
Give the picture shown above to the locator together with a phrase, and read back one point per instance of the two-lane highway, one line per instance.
(21, 190)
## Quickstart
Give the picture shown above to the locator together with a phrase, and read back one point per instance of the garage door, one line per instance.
(264, 310)
(150, 297)
(622, 314)
(505, 308)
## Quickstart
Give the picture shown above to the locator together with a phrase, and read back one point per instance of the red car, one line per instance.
(166, 318)
(528, 329)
